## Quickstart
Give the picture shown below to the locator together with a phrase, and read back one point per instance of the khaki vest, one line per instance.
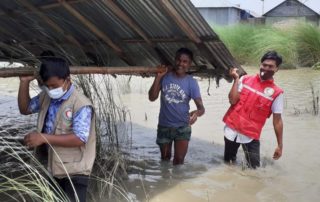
(74, 160)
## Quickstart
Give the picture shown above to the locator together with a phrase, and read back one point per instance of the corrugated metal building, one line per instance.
(110, 33)
(221, 12)
(291, 10)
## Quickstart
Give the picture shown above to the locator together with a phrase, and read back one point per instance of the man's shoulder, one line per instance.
(42, 94)
(80, 98)
(278, 88)
(166, 77)
(276, 85)
(192, 79)
(43, 97)
(246, 76)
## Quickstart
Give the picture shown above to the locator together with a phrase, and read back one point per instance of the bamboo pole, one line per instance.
(136, 70)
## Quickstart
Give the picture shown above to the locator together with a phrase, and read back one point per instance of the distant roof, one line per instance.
(110, 33)
(220, 4)
(213, 4)
(254, 14)
(294, 0)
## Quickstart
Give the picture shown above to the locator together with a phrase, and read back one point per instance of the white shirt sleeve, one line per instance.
(277, 105)
(240, 84)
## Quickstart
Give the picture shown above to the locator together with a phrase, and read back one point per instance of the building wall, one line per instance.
(274, 20)
(220, 16)
(279, 20)
(313, 19)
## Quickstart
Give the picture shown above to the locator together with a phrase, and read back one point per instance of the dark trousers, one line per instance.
(80, 183)
(251, 151)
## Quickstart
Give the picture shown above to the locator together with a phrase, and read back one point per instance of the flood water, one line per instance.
(204, 176)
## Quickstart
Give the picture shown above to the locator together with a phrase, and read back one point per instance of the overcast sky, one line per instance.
(256, 5)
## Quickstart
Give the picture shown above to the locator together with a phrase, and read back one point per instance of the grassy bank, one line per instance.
(299, 44)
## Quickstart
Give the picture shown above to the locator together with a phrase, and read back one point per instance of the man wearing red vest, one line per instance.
(253, 99)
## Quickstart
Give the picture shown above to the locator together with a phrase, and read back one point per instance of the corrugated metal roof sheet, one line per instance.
(109, 32)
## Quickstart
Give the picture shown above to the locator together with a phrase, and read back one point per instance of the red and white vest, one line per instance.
(250, 113)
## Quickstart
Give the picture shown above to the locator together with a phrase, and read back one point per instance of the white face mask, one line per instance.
(55, 93)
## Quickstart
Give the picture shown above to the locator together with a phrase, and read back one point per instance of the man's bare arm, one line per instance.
(234, 94)
(35, 139)
(197, 113)
(23, 94)
(156, 85)
(278, 129)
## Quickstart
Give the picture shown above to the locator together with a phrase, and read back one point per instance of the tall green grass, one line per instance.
(272, 38)
(307, 39)
(299, 44)
(239, 41)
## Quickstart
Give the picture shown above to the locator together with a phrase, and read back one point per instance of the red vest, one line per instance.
(250, 113)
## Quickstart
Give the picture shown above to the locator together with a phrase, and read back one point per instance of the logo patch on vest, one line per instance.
(67, 114)
(268, 91)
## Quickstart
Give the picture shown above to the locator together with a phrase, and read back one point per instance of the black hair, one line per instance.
(47, 53)
(185, 51)
(53, 67)
(272, 55)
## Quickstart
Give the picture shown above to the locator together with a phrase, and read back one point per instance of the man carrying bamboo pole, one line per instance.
(65, 128)
(177, 89)
(253, 99)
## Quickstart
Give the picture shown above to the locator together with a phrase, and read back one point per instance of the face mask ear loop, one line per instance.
(64, 83)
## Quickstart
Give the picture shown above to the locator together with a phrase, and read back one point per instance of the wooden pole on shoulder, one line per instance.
(130, 70)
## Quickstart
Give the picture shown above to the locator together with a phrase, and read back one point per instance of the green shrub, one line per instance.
(307, 38)
(299, 44)
(238, 39)
(271, 38)
(316, 66)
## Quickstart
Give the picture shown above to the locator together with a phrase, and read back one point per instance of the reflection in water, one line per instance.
(204, 176)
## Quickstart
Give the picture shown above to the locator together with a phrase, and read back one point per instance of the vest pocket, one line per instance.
(69, 155)
(244, 95)
(262, 109)
(259, 114)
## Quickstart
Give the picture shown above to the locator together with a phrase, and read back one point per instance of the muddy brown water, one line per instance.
(204, 177)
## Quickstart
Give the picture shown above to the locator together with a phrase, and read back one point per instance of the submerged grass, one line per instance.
(112, 138)
(28, 180)
(298, 44)
(315, 100)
